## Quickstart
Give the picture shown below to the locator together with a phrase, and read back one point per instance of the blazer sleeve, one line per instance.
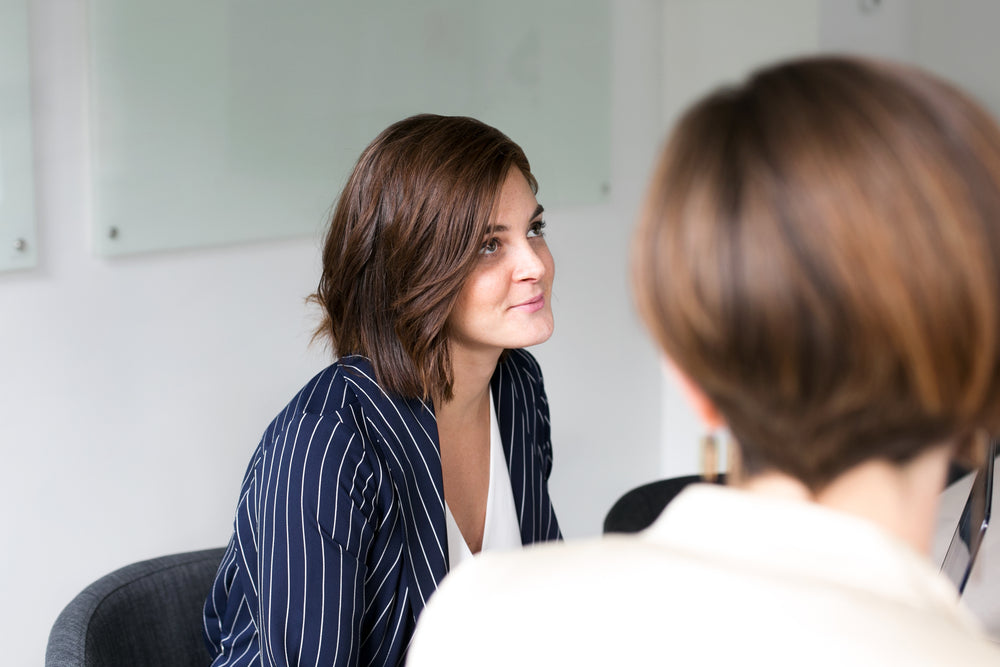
(316, 523)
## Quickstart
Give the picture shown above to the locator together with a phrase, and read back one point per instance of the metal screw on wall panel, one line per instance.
(20, 245)
(605, 189)
(113, 233)
(869, 6)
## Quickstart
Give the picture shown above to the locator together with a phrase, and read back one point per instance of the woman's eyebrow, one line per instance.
(498, 229)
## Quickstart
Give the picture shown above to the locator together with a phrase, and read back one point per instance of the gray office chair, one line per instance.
(147, 614)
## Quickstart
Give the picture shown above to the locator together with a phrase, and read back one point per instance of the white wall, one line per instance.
(600, 368)
(133, 390)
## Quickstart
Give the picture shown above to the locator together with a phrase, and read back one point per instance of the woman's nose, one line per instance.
(530, 265)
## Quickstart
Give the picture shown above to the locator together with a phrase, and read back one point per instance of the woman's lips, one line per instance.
(531, 305)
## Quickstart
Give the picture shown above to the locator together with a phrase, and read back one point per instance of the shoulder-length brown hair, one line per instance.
(404, 236)
(820, 253)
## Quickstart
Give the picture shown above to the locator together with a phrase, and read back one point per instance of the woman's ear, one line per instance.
(703, 407)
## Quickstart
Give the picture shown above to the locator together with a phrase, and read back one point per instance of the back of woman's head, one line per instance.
(404, 236)
(820, 254)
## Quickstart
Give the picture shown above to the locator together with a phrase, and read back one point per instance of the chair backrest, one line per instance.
(637, 509)
(148, 613)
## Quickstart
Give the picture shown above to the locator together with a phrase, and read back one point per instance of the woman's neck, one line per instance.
(471, 375)
(464, 436)
(902, 499)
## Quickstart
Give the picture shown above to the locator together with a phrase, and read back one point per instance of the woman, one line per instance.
(819, 259)
(428, 440)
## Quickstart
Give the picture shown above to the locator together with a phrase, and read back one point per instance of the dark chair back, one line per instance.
(146, 614)
(638, 508)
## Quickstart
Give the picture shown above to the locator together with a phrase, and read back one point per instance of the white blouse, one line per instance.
(501, 530)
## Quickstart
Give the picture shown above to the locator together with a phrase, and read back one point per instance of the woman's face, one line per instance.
(506, 302)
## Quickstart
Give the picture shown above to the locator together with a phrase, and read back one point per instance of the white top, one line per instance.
(501, 530)
(723, 577)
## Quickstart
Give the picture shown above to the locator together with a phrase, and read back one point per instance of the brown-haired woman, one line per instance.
(819, 259)
(428, 440)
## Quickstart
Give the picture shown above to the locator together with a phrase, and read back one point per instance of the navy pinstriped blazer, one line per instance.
(339, 537)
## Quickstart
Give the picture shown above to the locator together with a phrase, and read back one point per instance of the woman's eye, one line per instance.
(536, 229)
(489, 247)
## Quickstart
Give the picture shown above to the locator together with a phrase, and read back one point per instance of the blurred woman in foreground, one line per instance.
(819, 259)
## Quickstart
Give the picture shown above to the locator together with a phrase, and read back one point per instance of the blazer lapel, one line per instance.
(405, 433)
(522, 415)
(516, 432)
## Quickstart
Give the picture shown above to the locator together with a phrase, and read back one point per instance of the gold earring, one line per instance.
(709, 458)
(734, 462)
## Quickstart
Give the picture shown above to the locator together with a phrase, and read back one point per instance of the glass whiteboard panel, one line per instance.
(218, 122)
(17, 191)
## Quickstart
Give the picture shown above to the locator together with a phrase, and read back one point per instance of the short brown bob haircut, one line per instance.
(820, 253)
(404, 236)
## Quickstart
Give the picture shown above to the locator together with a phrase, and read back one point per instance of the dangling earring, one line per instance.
(709, 458)
(734, 462)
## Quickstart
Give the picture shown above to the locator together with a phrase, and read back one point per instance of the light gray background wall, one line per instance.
(133, 390)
